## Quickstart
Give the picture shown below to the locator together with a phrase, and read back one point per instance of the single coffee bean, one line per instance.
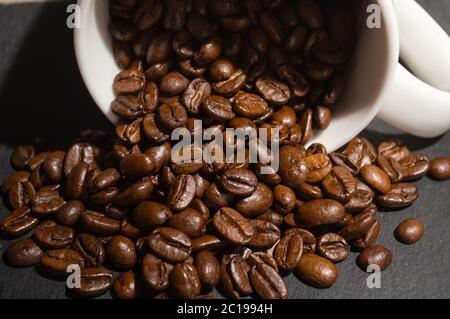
(172, 115)
(320, 212)
(410, 231)
(58, 261)
(413, 167)
(181, 192)
(99, 224)
(216, 198)
(69, 214)
(173, 84)
(340, 184)
(209, 51)
(267, 283)
(293, 166)
(50, 235)
(90, 249)
(147, 14)
(359, 201)
(13, 179)
(249, 105)
(36, 161)
(288, 251)
(273, 91)
(316, 271)
(440, 168)
(155, 272)
(21, 156)
(284, 199)
(159, 49)
(185, 281)
(333, 247)
(207, 242)
(369, 238)
(151, 214)
(77, 181)
(239, 182)
(231, 87)
(23, 253)
(234, 276)
(208, 268)
(189, 221)
(47, 201)
(18, 223)
(401, 195)
(218, 108)
(52, 167)
(81, 152)
(320, 167)
(374, 255)
(170, 244)
(261, 257)
(121, 252)
(20, 194)
(135, 194)
(94, 282)
(358, 226)
(233, 226)
(197, 93)
(134, 166)
(376, 178)
(125, 285)
(265, 234)
(309, 240)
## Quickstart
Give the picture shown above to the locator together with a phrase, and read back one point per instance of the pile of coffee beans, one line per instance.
(137, 222)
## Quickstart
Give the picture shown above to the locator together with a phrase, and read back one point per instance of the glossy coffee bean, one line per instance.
(333, 247)
(265, 234)
(293, 167)
(155, 272)
(233, 226)
(135, 194)
(21, 155)
(77, 181)
(376, 178)
(58, 261)
(185, 281)
(134, 166)
(340, 184)
(316, 271)
(181, 192)
(189, 221)
(170, 244)
(69, 214)
(90, 249)
(410, 231)
(249, 105)
(239, 182)
(218, 108)
(18, 222)
(50, 235)
(288, 251)
(320, 212)
(20, 194)
(125, 285)
(196, 94)
(98, 223)
(358, 226)
(401, 195)
(151, 214)
(94, 282)
(267, 283)
(440, 168)
(377, 255)
(234, 276)
(208, 268)
(121, 252)
(23, 253)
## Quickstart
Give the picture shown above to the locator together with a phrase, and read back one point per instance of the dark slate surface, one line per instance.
(41, 94)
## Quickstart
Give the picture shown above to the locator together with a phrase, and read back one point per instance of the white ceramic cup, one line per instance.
(377, 83)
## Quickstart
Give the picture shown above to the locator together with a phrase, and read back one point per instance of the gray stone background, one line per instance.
(42, 95)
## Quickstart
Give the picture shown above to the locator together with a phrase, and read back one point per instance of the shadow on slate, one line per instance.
(43, 93)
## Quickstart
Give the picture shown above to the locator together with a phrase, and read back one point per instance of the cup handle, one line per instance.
(413, 106)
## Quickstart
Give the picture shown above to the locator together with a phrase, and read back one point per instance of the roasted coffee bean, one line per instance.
(322, 117)
(91, 249)
(155, 272)
(333, 247)
(216, 198)
(249, 105)
(296, 81)
(320, 212)
(189, 221)
(130, 133)
(410, 231)
(135, 194)
(257, 203)
(320, 167)
(209, 51)
(316, 271)
(358, 226)
(233, 226)
(47, 201)
(374, 255)
(94, 282)
(58, 261)
(170, 244)
(207, 242)
(13, 179)
(376, 178)
(99, 224)
(359, 201)
(199, 26)
(125, 285)
(239, 182)
(401, 195)
(18, 222)
(288, 251)
(151, 214)
(201, 207)
(122, 53)
(340, 184)
(121, 252)
(296, 39)
(185, 281)
(293, 166)
(172, 115)
(159, 49)
(285, 116)
(440, 168)
(308, 192)
(127, 107)
(309, 240)
(234, 276)
(265, 234)
(80, 152)
(77, 181)
(208, 268)
(105, 179)
(36, 161)
(147, 14)
(197, 93)
(273, 91)
(267, 283)
(122, 30)
(137, 165)
(20, 194)
(23, 253)
(69, 214)
(261, 257)
(50, 235)
(181, 192)
(21, 156)
(231, 86)
(369, 238)
(173, 84)
(152, 131)
(284, 199)
(52, 167)
(414, 167)
(218, 108)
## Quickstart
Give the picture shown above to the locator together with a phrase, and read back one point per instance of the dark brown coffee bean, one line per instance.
(135, 194)
(218, 108)
(47, 201)
(99, 224)
(239, 182)
(130, 133)
(288, 251)
(69, 214)
(206, 242)
(272, 27)
(284, 199)
(172, 115)
(369, 238)
(320, 166)
(94, 282)
(122, 53)
(209, 51)
(309, 240)
(18, 222)
(129, 82)
(159, 49)
(358, 226)
(296, 81)
(136, 165)
(189, 221)
(106, 179)
(333, 247)
(320, 212)
(414, 167)
(440, 168)
(170, 244)
(208, 268)
(36, 160)
(20, 194)
(375, 255)
(52, 167)
(199, 27)
(151, 214)
(410, 231)
(198, 92)
(151, 130)
(13, 179)
(181, 192)
(261, 257)
(185, 281)
(122, 30)
(23, 253)
(293, 166)
(147, 14)
(77, 181)
(121, 252)
(257, 203)
(221, 70)
(322, 117)
(50, 235)
(91, 249)
(77, 153)
(125, 285)
(401, 195)
(359, 201)
(233, 226)
(376, 178)
(58, 261)
(127, 107)
(224, 8)
(155, 272)
(249, 105)
(273, 91)
(173, 84)
(21, 156)
(231, 87)
(316, 271)
(265, 234)
(267, 283)
(340, 184)
(296, 39)
(234, 276)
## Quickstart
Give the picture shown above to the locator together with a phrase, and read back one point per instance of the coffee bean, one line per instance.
(208, 268)
(234, 276)
(23, 253)
(58, 261)
(151, 214)
(99, 224)
(94, 282)
(231, 86)
(185, 281)
(249, 105)
(189, 221)
(414, 167)
(90, 249)
(170, 244)
(155, 272)
(121, 252)
(209, 51)
(374, 255)
(273, 91)
(288, 251)
(147, 14)
(265, 234)
(52, 167)
(197, 93)
(316, 271)
(284, 199)
(21, 156)
(401, 195)
(369, 238)
(410, 231)
(320, 212)
(207, 242)
(50, 235)
(320, 167)
(13, 179)
(218, 108)
(233, 226)
(47, 201)
(358, 226)
(340, 184)
(239, 182)
(181, 192)
(20, 194)
(333, 247)
(125, 285)
(18, 222)
(440, 168)
(135, 166)
(376, 178)
(267, 283)
(359, 201)
(135, 194)
(293, 167)
(69, 214)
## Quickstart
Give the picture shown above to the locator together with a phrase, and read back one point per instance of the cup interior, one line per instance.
(370, 77)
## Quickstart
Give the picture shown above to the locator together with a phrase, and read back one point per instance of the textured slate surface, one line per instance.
(41, 94)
